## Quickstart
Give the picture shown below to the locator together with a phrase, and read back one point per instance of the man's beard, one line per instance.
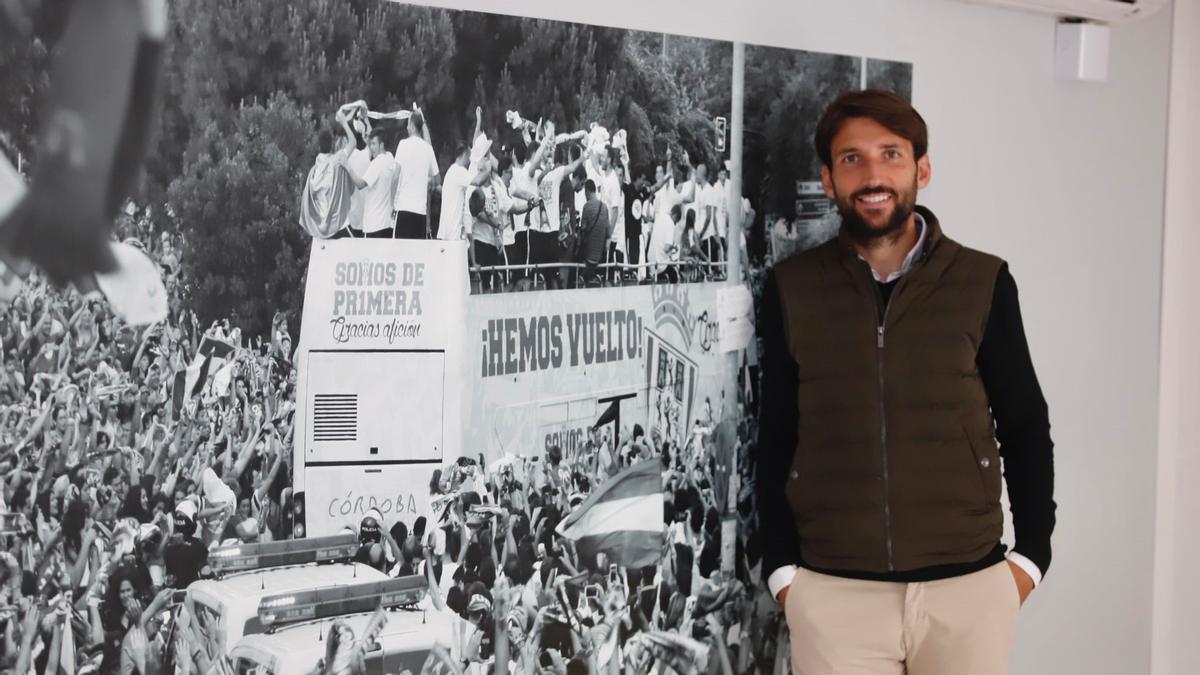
(865, 233)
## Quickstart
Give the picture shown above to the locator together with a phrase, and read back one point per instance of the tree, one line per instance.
(25, 53)
(245, 253)
(795, 89)
(893, 76)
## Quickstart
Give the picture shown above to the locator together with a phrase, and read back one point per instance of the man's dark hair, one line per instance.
(519, 152)
(503, 164)
(324, 142)
(379, 134)
(589, 186)
(884, 107)
(418, 122)
(476, 203)
(463, 149)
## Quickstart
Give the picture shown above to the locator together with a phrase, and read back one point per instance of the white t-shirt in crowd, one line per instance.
(379, 193)
(722, 203)
(548, 190)
(455, 218)
(417, 165)
(610, 194)
(712, 196)
(524, 182)
(360, 160)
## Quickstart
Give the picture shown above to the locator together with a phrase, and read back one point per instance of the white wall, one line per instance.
(1066, 182)
(1177, 586)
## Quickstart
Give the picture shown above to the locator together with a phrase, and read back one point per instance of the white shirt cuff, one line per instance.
(1027, 565)
(780, 579)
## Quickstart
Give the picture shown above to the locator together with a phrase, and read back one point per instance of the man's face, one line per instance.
(874, 179)
(375, 146)
(702, 174)
(722, 176)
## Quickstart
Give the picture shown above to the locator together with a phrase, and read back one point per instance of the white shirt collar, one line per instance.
(909, 259)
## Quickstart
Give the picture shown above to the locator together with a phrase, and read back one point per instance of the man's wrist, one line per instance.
(780, 579)
(1027, 566)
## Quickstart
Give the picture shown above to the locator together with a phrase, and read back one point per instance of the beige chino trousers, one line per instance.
(958, 626)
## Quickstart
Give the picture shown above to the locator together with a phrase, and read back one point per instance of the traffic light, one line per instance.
(722, 128)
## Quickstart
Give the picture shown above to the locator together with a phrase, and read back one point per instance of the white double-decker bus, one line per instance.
(402, 370)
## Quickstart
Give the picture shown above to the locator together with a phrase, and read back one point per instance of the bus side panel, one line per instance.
(339, 496)
(380, 377)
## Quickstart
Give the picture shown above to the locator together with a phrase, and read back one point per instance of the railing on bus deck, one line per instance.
(683, 271)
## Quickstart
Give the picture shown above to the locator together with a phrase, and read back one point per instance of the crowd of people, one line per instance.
(494, 556)
(539, 208)
(116, 480)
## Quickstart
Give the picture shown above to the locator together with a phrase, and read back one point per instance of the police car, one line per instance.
(297, 627)
(227, 607)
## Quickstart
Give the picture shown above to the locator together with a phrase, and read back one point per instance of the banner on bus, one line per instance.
(383, 294)
(549, 366)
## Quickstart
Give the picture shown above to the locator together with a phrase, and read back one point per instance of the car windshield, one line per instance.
(245, 666)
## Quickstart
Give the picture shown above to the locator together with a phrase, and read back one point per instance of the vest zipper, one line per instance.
(887, 497)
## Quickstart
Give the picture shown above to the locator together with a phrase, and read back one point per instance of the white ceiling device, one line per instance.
(1104, 11)
(1081, 38)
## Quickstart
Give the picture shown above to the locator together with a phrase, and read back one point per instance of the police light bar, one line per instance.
(323, 603)
(243, 557)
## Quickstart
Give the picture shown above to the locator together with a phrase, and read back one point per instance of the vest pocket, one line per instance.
(988, 466)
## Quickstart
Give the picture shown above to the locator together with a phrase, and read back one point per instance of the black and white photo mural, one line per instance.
(455, 286)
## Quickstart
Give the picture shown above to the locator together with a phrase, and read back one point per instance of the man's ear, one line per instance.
(924, 172)
(827, 181)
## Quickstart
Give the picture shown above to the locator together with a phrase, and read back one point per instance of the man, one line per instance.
(703, 206)
(416, 166)
(615, 175)
(894, 358)
(720, 204)
(377, 186)
(635, 196)
(376, 547)
(184, 556)
(522, 185)
(593, 231)
(328, 194)
(491, 209)
(453, 220)
(360, 161)
(547, 222)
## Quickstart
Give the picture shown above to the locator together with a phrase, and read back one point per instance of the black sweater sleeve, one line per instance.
(776, 437)
(1022, 423)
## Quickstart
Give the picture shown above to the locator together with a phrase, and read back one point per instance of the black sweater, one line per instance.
(1022, 429)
